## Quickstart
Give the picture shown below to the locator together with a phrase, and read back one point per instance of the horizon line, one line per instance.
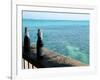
(54, 19)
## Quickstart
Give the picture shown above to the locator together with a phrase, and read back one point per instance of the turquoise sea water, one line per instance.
(67, 37)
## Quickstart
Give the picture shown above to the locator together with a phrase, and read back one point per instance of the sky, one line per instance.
(54, 16)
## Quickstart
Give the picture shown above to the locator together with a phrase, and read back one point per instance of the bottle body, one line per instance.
(26, 41)
(39, 44)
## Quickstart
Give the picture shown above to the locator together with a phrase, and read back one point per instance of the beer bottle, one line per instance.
(26, 41)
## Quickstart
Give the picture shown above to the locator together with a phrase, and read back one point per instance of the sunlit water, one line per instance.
(68, 38)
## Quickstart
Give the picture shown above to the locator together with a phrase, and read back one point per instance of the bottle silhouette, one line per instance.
(26, 41)
(39, 44)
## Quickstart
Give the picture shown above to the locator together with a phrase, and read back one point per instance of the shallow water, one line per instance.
(69, 38)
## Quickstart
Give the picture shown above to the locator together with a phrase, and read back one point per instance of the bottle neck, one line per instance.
(40, 35)
(26, 33)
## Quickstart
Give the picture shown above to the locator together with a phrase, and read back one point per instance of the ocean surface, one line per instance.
(66, 37)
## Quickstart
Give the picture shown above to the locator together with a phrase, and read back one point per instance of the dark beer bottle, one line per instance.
(39, 44)
(26, 41)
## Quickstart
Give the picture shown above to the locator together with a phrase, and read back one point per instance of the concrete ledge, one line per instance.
(51, 59)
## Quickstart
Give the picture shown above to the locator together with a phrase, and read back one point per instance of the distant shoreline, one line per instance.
(57, 20)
